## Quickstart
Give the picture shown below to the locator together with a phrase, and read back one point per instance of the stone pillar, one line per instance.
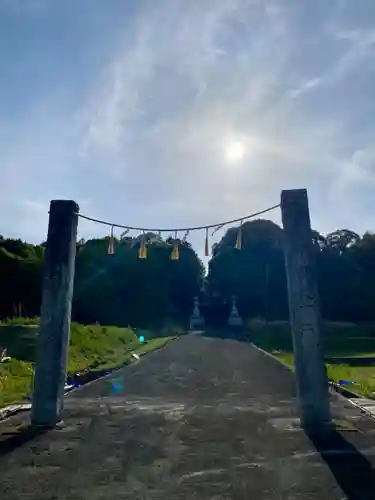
(196, 320)
(57, 293)
(304, 310)
(234, 318)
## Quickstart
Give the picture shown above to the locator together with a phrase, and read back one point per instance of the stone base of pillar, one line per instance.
(235, 320)
(196, 322)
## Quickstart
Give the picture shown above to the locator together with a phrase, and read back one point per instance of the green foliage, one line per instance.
(95, 345)
(338, 339)
(345, 266)
(18, 321)
(255, 274)
(344, 347)
(154, 293)
(123, 290)
(15, 381)
(20, 278)
(91, 346)
(20, 341)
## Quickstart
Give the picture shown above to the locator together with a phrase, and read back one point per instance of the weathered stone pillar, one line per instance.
(304, 310)
(234, 319)
(57, 293)
(196, 319)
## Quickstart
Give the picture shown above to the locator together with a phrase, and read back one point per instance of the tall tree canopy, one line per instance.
(255, 273)
(122, 289)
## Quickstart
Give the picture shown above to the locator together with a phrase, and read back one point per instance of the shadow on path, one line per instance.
(12, 440)
(352, 361)
(351, 469)
(226, 333)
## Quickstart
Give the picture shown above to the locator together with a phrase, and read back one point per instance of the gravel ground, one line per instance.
(203, 418)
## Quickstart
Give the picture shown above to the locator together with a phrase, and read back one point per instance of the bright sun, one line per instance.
(234, 151)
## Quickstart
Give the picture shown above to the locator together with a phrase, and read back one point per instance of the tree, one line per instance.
(20, 277)
(122, 289)
(126, 290)
(255, 274)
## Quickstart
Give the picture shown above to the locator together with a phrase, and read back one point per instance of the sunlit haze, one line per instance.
(234, 151)
(140, 110)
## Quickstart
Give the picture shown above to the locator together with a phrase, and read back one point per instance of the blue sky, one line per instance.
(136, 108)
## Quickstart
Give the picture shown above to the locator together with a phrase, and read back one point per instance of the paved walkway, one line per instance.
(203, 418)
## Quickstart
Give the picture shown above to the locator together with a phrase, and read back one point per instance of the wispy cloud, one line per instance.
(24, 6)
(358, 44)
(141, 110)
(310, 84)
(358, 171)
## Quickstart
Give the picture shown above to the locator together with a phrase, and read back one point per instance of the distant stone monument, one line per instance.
(196, 319)
(234, 318)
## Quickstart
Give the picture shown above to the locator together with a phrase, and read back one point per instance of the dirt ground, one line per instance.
(202, 418)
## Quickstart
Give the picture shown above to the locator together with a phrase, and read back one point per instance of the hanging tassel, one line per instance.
(142, 253)
(111, 244)
(239, 238)
(175, 252)
(206, 249)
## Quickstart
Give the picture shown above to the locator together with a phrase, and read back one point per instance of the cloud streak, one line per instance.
(142, 132)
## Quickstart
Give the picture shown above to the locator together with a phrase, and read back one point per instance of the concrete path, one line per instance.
(203, 418)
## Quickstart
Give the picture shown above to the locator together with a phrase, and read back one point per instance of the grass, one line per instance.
(344, 345)
(91, 347)
(21, 321)
(15, 381)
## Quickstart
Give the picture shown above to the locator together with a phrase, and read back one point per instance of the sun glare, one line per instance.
(234, 151)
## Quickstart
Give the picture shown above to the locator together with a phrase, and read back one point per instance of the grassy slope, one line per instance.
(339, 341)
(91, 346)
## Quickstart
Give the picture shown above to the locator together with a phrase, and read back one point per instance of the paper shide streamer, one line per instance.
(239, 237)
(175, 255)
(206, 249)
(142, 252)
(111, 244)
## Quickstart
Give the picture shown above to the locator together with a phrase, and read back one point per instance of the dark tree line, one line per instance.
(122, 289)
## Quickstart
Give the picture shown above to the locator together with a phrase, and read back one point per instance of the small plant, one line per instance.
(21, 321)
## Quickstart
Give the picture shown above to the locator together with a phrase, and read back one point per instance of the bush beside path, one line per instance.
(349, 350)
(91, 347)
